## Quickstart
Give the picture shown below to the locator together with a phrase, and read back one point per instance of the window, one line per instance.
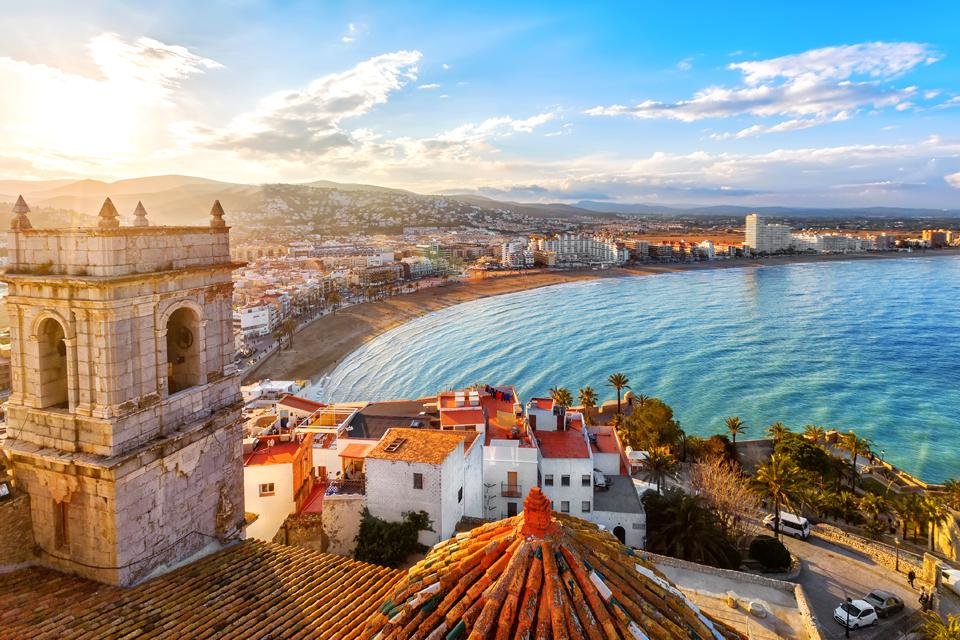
(184, 360)
(564, 481)
(460, 495)
(418, 481)
(548, 480)
(564, 506)
(53, 365)
(266, 489)
(585, 507)
(60, 530)
(585, 480)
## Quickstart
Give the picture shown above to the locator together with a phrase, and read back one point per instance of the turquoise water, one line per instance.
(870, 345)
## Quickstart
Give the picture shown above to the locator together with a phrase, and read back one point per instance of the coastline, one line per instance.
(323, 344)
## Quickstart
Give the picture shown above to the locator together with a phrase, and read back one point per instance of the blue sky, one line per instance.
(813, 104)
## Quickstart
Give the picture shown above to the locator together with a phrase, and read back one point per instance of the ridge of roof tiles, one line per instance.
(249, 590)
(538, 575)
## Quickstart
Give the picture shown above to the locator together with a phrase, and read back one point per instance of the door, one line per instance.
(511, 509)
(513, 486)
(620, 533)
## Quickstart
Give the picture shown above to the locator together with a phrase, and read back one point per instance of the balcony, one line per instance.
(508, 490)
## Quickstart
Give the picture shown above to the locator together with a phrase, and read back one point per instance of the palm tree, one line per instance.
(561, 395)
(814, 433)
(642, 399)
(934, 628)
(952, 487)
(619, 381)
(657, 465)
(936, 512)
(856, 445)
(735, 426)
(778, 480)
(588, 400)
(333, 299)
(690, 532)
(777, 430)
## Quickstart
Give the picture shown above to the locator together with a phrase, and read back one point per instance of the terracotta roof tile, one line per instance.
(538, 575)
(429, 446)
(251, 590)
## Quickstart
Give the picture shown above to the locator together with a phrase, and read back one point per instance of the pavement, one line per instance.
(831, 573)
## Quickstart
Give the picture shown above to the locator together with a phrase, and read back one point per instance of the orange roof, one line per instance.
(429, 446)
(356, 450)
(250, 590)
(563, 444)
(542, 575)
(279, 453)
(606, 443)
(466, 415)
(545, 404)
(300, 404)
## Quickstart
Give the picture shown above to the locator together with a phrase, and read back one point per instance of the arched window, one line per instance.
(53, 365)
(183, 350)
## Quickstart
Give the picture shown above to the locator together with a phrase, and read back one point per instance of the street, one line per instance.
(832, 573)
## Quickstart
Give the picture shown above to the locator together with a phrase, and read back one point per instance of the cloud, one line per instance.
(309, 120)
(685, 65)
(351, 34)
(564, 129)
(786, 125)
(429, 86)
(445, 66)
(808, 88)
(495, 127)
(953, 180)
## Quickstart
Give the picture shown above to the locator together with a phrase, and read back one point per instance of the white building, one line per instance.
(576, 249)
(438, 472)
(764, 237)
(420, 267)
(277, 480)
(516, 255)
(257, 320)
(707, 249)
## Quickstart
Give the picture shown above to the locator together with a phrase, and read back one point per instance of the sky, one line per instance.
(800, 104)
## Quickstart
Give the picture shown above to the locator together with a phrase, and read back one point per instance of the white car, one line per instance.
(951, 580)
(858, 612)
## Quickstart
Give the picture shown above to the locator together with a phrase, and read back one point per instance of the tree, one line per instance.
(561, 395)
(656, 466)
(777, 431)
(390, 543)
(856, 445)
(619, 381)
(649, 427)
(770, 553)
(873, 506)
(952, 488)
(735, 426)
(936, 511)
(682, 526)
(934, 627)
(814, 433)
(588, 400)
(286, 329)
(778, 480)
(721, 484)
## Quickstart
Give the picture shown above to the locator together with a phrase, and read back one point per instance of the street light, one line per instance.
(897, 541)
(846, 628)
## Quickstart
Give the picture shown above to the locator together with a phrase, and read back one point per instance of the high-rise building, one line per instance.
(123, 415)
(765, 237)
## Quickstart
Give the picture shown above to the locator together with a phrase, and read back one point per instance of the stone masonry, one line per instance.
(123, 416)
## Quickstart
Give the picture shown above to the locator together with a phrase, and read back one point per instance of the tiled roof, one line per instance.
(538, 575)
(563, 444)
(300, 404)
(429, 446)
(356, 450)
(466, 415)
(279, 453)
(251, 590)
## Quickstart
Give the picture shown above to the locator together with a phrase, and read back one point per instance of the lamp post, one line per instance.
(882, 453)
(846, 627)
(897, 541)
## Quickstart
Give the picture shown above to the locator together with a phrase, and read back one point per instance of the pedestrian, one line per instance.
(911, 576)
(923, 599)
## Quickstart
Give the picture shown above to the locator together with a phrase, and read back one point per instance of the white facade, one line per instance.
(272, 508)
(257, 320)
(516, 255)
(763, 237)
(633, 525)
(708, 249)
(569, 248)
(509, 472)
(568, 482)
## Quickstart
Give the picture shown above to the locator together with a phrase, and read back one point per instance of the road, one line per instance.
(831, 573)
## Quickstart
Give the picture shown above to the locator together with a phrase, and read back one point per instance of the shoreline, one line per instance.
(323, 344)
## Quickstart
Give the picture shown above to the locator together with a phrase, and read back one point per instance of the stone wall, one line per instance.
(879, 553)
(16, 531)
(341, 522)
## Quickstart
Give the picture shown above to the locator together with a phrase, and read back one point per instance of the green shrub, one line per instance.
(390, 543)
(770, 553)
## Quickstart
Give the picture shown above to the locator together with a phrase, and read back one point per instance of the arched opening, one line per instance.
(53, 365)
(183, 350)
(620, 533)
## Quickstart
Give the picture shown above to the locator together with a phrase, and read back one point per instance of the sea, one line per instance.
(868, 345)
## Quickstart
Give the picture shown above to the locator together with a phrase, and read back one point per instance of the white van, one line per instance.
(790, 524)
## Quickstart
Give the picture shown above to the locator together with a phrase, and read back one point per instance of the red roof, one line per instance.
(355, 450)
(563, 444)
(467, 415)
(545, 404)
(300, 404)
(279, 453)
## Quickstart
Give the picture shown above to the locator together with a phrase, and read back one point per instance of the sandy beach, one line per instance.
(319, 347)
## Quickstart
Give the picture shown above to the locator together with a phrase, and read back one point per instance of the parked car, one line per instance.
(600, 480)
(856, 614)
(951, 580)
(885, 603)
(790, 524)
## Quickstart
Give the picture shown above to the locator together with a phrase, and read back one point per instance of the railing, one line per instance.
(508, 490)
(340, 486)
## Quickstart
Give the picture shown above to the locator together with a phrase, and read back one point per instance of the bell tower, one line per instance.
(123, 416)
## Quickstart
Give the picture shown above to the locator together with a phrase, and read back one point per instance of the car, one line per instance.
(856, 614)
(950, 578)
(790, 524)
(884, 603)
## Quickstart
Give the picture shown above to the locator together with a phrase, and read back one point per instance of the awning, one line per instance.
(357, 450)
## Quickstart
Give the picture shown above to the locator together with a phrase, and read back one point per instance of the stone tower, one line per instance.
(123, 417)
